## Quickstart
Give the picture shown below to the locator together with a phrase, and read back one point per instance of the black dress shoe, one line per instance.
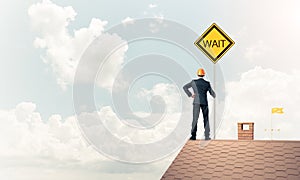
(207, 138)
(193, 138)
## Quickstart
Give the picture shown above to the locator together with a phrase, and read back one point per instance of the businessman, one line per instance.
(200, 88)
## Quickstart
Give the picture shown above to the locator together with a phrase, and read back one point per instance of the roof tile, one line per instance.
(292, 172)
(247, 174)
(259, 171)
(231, 159)
(270, 176)
(292, 177)
(281, 174)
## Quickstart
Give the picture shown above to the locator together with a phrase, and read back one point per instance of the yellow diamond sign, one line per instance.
(214, 42)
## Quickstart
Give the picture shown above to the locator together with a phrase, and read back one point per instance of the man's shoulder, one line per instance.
(201, 80)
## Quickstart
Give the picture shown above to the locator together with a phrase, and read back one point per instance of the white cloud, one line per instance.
(152, 6)
(251, 98)
(115, 128)
(127, 21)
(159, 17)
(64, 49)
(32, 148)
(168, 122)
(24, 133)
(158, 24)
(169, 92)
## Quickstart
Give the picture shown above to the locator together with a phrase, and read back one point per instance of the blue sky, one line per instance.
(37, 113)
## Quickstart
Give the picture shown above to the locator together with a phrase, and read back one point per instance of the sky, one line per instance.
(48, 132)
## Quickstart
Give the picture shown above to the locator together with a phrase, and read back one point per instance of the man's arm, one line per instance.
(211, 92)
(186, 89)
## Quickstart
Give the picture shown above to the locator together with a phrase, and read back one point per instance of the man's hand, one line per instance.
(193, 96)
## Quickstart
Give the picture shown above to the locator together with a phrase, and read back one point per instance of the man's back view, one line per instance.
(200, 88)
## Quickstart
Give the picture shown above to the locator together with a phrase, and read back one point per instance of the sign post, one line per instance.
(214, 43)
(215, 105)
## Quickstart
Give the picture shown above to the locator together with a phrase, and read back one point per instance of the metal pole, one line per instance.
(215, 88)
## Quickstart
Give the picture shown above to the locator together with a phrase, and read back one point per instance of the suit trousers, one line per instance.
(196, 112)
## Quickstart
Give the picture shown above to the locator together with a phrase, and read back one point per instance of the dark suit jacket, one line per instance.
(200, 88)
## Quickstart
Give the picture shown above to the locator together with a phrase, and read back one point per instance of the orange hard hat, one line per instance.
(200, 72)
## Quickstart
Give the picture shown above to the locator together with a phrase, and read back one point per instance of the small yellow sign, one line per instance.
(277, 110)
(214, 42)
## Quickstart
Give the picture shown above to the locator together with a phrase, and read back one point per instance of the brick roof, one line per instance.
(232, 159)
